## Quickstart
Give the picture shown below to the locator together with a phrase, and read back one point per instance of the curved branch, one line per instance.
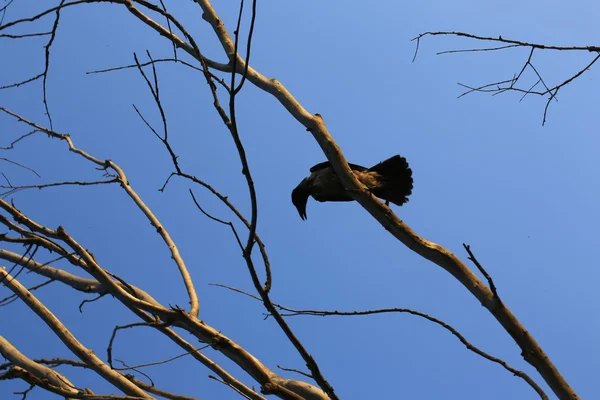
(187, 279)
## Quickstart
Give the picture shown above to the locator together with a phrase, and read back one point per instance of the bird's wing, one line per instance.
(320, 166)
(326, 164)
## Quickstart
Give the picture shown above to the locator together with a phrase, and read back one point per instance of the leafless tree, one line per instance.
(518, 82)
(181, 325)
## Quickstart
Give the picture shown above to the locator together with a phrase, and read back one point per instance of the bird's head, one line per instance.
(300, 198)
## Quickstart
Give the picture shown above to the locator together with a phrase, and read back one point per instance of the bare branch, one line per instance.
(510, 85)
(322, 313)
(20, 165)
(295, 370)
(163, 60)
(12, 144)
(26, 391)
(14, 189)
(149, 388)
(477, 50)
(204, 333)
(15, 357)
(510, 41)
(229, 385)
(90, 301)
(157, 391)
(68, 339)
(47, 61)
(168, 360)
(114, 335)
(25, 35)
(13, 85)
(228, 223)
(482, 270)
(187, 279)
(10, 299)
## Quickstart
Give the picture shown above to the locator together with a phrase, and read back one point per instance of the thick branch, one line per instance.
(69, 340)
(17, 358)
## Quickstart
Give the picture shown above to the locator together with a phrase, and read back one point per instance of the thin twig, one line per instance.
(295, 370)
(168, 360)
(482, 270)
(228, 223)
(322, 313)
(20, 165)
(14, 189)
(162, 60)
(499, 87)
(47, 61)
(114, 335)
(12, 144)
(10, 299)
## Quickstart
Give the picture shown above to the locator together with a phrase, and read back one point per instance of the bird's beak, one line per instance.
(302, 213)
(300, 198)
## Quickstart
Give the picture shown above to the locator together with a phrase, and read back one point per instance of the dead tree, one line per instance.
(183, 325)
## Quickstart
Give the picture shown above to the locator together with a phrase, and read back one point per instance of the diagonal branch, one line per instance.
(69, 340)
(16, 358)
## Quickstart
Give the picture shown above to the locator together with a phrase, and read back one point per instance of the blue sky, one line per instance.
(486, 173)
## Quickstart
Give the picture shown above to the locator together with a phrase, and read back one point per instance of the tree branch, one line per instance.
(42, 372)
(69, 340)
(511, 84)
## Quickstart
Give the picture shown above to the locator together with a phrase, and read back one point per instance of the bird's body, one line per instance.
(390, 180)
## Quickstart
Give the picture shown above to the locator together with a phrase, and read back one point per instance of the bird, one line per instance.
(390, 180)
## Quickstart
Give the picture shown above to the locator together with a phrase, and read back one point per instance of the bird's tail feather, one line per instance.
(396, 180)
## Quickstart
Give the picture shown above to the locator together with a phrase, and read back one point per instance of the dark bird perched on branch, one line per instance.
(390, 180)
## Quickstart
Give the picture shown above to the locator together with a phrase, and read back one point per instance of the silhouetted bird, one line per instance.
(390, 180)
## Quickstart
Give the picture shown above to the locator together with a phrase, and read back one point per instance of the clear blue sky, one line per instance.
(486, 173)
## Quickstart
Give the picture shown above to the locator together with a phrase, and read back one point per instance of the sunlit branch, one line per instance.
(16, 358)
(68, 339)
